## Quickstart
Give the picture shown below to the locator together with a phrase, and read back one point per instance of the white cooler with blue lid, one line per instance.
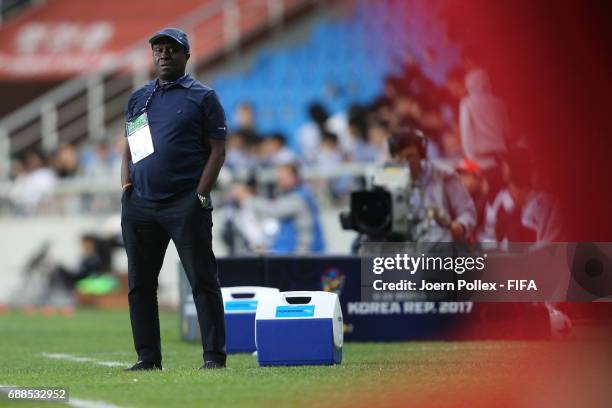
(299, 328)
(240, 304)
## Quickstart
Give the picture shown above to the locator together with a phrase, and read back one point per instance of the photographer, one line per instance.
(444, 209)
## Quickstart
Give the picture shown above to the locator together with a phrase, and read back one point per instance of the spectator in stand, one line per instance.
(66, 161)
(476, 185)
(17, 169)
(414, 82)
(484, 128)
(378, 135)
(329, 153)
(504, 215)
(361, 150)
(310, 134)
(407, 107)
(452, 95)
(338, 124)
(502, 221)
(98, 159)
(521, 212)
(539, 212)
(483, 122)
(244, 116)
(32, 186)
(117, 146)
(331, 156)
(450, 145)
(383, 105)
(238, 153)
(274, 151)
(296, 210)
(242, 229)
(244, 121)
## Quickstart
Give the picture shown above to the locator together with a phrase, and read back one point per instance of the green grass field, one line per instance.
(424, 373)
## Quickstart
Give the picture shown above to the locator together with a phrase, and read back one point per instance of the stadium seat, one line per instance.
(350, 53)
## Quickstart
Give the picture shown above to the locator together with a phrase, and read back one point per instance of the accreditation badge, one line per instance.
(139, 137)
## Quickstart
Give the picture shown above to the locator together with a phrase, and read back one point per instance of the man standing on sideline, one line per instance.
(176, 130)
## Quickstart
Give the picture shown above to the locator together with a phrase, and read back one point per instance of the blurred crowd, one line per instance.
(466, 127)
(35, 174)
(467, 130)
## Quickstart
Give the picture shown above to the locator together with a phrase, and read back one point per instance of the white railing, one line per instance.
(88, 104)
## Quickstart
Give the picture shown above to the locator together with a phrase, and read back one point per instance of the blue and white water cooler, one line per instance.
(299, 328)
(240, 303)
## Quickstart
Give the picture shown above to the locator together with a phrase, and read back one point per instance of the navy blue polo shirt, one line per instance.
(183, 116)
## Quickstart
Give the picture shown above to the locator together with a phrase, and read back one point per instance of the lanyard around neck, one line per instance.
(157, 88)
(148, 101)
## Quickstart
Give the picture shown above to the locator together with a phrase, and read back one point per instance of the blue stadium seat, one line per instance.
(353, 54)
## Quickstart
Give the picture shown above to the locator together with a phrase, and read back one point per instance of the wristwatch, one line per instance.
(205, 202)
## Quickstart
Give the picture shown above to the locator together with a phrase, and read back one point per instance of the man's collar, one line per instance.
(185, 81)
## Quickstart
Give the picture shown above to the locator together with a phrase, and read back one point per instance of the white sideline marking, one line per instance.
(77, 402)
(70, 357)
(81, 403)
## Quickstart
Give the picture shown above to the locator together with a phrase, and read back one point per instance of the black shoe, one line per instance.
(211, 365)
(144, 366)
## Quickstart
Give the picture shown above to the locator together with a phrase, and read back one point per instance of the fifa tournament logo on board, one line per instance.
(332, 280)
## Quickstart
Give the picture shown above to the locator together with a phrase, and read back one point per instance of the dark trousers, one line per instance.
(147, 229)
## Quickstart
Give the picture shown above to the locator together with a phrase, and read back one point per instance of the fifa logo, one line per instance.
(332, 280)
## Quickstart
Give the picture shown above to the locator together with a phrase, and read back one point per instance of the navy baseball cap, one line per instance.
(173, 33)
